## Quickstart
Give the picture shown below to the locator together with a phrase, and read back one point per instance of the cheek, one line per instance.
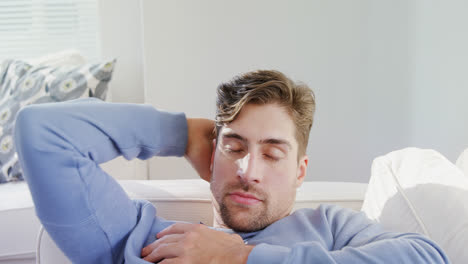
(224, 171)
(282, 172)
(222, 165)
(282, 183)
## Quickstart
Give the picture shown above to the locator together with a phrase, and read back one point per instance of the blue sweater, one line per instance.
(92, 220)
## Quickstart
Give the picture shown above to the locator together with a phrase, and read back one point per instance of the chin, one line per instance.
(242, 227)
(243, 220)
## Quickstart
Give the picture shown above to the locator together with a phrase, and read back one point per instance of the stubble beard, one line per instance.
(258, 216)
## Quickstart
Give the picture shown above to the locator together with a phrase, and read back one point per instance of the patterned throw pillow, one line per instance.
(22, 84)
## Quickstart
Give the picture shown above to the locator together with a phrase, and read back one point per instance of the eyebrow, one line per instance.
(271, 141)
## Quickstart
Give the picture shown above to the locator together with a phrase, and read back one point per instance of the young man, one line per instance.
(254, 166)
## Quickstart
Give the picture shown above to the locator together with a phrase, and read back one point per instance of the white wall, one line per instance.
(348, 51)
(120, 32)
(387, 74)
(439, 71)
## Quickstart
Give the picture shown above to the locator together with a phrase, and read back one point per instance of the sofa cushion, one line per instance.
(462, 162)
(416, 190)
(22, 83)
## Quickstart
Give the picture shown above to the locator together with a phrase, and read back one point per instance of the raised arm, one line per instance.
(101, 131)
(84, 209)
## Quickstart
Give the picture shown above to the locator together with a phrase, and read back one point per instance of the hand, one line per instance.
(190, 243)
(200, 145)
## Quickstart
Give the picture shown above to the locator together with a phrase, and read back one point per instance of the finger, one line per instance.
(178, 228)
(164, 251)
(164, 240)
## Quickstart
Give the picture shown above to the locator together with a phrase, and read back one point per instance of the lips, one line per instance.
(244, 198)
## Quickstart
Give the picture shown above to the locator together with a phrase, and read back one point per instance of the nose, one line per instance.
(248, 169)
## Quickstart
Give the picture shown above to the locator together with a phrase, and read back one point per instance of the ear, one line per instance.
(302, 170)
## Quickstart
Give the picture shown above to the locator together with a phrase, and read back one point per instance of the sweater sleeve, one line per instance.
(356, 239)
(60, 147)
(101, 130)
(54, 140)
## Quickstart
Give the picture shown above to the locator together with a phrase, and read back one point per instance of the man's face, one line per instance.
(255, 168)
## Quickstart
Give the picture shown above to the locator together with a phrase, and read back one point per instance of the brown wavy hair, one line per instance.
(267, 87)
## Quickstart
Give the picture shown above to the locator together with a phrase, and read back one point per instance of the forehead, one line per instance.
(258, 122)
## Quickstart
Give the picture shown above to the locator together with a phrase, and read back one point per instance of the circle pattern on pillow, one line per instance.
(22, 84)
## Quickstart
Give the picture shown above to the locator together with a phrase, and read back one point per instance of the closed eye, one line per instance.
(269, 157)
(234, 150)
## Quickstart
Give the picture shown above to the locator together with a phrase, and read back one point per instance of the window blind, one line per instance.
(34, 28)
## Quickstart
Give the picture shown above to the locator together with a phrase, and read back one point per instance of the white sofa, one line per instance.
(410, 190)
(18, 224)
